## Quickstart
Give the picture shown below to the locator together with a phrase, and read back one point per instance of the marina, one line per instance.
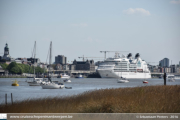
(75, 87)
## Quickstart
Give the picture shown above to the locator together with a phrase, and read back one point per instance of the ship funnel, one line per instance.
(137, 55)
(129, 55)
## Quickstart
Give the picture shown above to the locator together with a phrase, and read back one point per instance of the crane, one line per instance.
(111, 51)
(89, 57)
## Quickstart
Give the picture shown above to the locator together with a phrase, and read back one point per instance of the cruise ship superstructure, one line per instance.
(124, 66)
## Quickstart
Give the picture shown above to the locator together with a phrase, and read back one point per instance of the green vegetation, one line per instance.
(13, 76)
(149, 99)
(17, 68)
(4, 66)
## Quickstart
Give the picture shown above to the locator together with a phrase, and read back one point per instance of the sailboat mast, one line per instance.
(34, 57)
(50, 57)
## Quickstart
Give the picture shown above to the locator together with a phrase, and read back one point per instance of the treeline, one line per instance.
(17, 68)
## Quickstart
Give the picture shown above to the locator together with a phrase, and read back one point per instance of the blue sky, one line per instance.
(86, 27)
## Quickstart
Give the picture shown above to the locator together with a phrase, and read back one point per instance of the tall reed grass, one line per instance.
(149, 99)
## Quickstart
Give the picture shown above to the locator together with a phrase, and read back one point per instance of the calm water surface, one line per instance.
(23, 91)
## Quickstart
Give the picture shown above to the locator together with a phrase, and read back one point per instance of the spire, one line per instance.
(6, 45)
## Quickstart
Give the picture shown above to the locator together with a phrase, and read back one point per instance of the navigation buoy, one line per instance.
(15, 83)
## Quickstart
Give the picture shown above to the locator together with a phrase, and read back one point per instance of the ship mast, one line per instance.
(50, 59)
(34, 57)
(50, 56)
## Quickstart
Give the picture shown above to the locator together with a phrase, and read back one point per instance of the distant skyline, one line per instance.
(86, 27)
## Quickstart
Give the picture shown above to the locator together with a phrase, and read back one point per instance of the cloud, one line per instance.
(175, 1)
(137, 11)
(80, 25)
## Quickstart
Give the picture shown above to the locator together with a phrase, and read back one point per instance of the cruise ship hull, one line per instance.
(128, 75)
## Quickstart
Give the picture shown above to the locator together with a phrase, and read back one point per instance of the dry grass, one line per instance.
(149, 99)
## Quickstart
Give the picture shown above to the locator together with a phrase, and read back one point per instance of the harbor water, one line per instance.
(24, 91)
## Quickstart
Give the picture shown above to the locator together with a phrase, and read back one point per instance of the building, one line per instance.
(66, 67)
(84, 65)
(43, 66)
(6, 56)
(59, 67)
(32, 60)
(164, 62)
(168, 70)
(178, 70)
(60, 59)
(173, 68)
(72, 67)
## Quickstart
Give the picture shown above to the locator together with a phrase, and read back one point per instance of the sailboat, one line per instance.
(50, 84)
(122, 80)
(36, 81)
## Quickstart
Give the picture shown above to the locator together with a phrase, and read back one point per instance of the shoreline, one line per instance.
(146, 99)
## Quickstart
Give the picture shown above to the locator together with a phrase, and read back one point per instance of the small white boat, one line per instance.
(67, 80)
(65, 76)
(122, 80)
(145, 81)
(171, 80)
(79, 76)
(51, 85)
(35, 82)
(177, 77)
(169, 76)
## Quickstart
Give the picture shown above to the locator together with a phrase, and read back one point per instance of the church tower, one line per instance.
(6, 55)
(6, 50)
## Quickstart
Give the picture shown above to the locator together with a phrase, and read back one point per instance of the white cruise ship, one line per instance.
(126, 67)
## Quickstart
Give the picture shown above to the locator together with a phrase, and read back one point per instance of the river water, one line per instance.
(24, 91)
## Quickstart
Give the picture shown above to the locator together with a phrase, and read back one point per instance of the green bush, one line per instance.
(4, 65)
(17, 68)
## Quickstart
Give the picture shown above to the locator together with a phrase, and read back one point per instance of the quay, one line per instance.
(72, 73)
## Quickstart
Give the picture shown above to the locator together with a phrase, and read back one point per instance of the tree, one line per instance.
(14, 70)
(39, 70)
(4, 66)
(17, 68)
(11, 65)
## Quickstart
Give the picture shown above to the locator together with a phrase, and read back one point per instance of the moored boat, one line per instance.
(171, 80)
(145, 81)
(35, 82)
(129, 67)
(68, 87)
(50, 84)
(79, 76)
(67, 80)
(123, 81)
(64, 75)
